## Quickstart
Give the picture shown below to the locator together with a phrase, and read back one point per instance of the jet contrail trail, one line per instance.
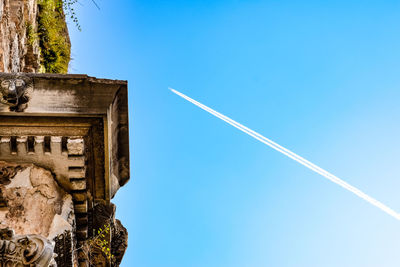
(294, 156)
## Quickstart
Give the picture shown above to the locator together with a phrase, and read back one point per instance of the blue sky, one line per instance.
(319, 77)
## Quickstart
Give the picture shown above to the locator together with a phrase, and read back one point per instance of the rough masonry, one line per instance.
(17, 53)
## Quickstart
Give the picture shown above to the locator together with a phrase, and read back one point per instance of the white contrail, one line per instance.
(293, 156)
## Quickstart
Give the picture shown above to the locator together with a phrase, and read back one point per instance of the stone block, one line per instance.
(78, 184)
(75, 146)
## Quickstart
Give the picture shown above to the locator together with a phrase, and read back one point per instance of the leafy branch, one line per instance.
(99, 242)
(69, 8)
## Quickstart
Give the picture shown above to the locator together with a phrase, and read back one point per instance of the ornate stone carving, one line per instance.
(25, 250)
(15, 90)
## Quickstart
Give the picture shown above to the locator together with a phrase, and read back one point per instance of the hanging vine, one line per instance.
(69, 8)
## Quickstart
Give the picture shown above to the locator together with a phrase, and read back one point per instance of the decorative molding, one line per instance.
(64, 156)
(84, 96)
(25, 250)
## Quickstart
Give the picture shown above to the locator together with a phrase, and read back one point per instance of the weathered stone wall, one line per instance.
(19, 50)
(33, 202)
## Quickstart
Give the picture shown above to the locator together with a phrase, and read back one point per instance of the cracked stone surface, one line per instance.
(35, 204)
(17, 54)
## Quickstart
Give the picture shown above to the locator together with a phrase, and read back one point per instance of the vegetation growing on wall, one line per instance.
(97, 249)
(31, 34)
(53, 36)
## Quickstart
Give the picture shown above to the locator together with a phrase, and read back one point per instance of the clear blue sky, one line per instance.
(319, 77)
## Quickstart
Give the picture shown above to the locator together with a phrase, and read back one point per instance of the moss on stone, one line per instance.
(55, 45)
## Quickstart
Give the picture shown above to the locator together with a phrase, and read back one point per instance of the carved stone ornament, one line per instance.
(25, 250)
(15, 90)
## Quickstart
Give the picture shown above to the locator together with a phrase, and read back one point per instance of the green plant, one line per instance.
(98, 244)
(69, 8)
(31, 34)
(101, 240)
(53, 36)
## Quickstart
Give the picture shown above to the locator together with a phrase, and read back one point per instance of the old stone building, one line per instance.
(64, 147)
(64, 153)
